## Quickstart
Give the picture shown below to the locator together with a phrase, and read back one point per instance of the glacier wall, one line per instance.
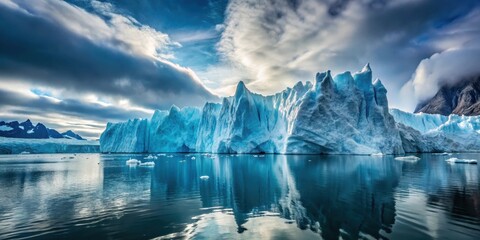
(346, 114)
(48, 145)
(423, 132)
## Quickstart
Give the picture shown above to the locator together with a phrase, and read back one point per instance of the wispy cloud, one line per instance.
(276, 43)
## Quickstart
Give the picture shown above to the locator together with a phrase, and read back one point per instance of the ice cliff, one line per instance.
(345, 114)
(48, 145)
(423, 132)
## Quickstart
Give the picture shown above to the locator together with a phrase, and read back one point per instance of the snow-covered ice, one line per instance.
(133, 162)
(459, 160)
(204, 177)
(437, 133)
(48, 145)
(5, 128)
(408, 158)
(150, 157)
(147, 164)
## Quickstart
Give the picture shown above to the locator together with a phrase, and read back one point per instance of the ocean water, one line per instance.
(67, 196)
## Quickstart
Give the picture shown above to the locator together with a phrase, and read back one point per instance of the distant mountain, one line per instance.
(462, 99)
(70, 134)
(26, 129)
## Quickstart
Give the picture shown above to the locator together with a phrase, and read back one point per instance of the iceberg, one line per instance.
(149, 157)
(436, 133)
(458, 160)
(147, 164)
(133, 162)
(408, 158)
(125, 137)
(345, 114)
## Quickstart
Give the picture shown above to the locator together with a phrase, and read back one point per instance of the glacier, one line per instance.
(344, 114)
(421, 132)
(49, 145)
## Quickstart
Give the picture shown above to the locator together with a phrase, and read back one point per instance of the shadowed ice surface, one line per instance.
(244, 196)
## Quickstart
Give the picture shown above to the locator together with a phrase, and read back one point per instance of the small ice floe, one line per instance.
(181, 161)
(170, 156)
(150, 157)
(204, 177)
(24, 152)
(408, 158)
(442, 154)
(193, 158)
(147, 164)
(133, 162)
(255, 155)
(378, 154)
(459, 160)
(161, 154)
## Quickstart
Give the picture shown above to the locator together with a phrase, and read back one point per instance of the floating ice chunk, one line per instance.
(459, 160)
(170, 156)
(161, 154)
(442, 154)
(204, 177)
(147, 164)
(151, 157)
(193, 158)
(24, 152)
(133, 162)
(255, 155)
(379, 154)
(408, 158)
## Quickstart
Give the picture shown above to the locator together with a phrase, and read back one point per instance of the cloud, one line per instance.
(55, 44)
(458, 62)
(276, 43)
(64, 114)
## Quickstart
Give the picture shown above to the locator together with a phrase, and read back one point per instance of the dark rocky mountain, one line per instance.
(461, 99)
(26, 129)
(72, 135)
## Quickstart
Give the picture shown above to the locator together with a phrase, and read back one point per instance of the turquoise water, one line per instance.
(245, 197)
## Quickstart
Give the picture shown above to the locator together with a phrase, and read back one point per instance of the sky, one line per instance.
(79, 64)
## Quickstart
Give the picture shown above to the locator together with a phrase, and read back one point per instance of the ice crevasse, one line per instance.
(344, 114)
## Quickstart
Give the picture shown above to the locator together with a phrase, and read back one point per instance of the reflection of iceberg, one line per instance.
(335, 196)
(290, 203)
(342, 196)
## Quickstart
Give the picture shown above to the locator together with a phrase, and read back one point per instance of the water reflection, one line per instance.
(245, 196)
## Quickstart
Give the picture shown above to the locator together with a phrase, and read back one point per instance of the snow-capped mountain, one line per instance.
(346, 114)
(462, 98)
(26, 129)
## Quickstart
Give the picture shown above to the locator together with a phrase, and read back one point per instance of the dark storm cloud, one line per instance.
(46, 52)
(28, 105)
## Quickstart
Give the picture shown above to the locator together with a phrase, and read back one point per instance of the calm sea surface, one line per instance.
(245, 197)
